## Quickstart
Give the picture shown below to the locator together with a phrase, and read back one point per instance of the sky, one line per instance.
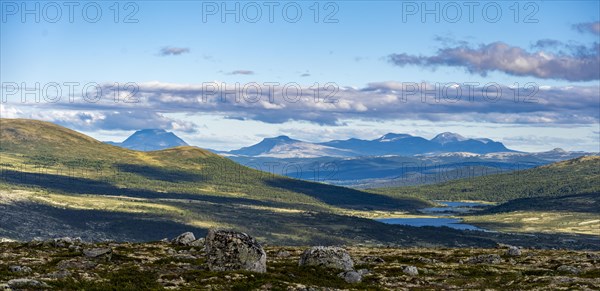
(223, 75)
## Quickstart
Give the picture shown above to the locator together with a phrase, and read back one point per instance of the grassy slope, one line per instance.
(577, 176)
(78, 177)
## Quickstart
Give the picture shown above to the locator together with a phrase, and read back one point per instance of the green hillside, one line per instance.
(577, 176)
(53, 172)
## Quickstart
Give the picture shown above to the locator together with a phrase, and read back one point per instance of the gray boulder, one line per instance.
(485, 259)
(351, 277)
(98, 252)
(184, 239)
(328, 257)
(24, 283)
(230, 250)
(513, 252)
(197, 243)
(568, 269)
(19, 269)
(411, 271)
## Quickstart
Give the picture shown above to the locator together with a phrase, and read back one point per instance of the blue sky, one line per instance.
(171, 51)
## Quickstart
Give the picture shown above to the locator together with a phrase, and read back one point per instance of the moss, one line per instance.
(126, 278)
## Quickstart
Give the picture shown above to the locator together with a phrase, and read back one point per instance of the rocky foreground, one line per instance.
(235, 261)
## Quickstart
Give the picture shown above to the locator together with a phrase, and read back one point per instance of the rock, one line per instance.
(427, 260)
(593, 256)
(197, 243)
(63, 242)
(351, 277)
(328, 257)
(513, 251)
(568, 269)
(372, 260)
(283, 254)
(19, 269)
(26, 283)
(485, 259)
(230, 250)
(184, 239)
(502, 246)
(364, 272)
(98, 252)
(59, 274)
(411, 270)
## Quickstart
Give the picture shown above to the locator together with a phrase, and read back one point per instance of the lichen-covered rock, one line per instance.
(19, 269)
(184, 239)
(351, 277)
(197, 243)
(63, 242)
(410, 270)
(513, 251)
(568, 269)
(26, 283)
(98, 252)
(230, 250)
(328, 257)
(485, 259)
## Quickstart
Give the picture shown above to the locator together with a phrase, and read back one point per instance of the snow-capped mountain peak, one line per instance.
(447, 137)
(393, 137)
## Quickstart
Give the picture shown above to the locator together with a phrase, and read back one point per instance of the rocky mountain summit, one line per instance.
(220, 262)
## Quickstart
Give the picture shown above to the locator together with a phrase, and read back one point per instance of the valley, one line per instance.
(56, 181)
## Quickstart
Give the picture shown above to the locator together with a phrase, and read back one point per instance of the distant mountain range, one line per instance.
(389, 144)
(391, 160)
(151, 140)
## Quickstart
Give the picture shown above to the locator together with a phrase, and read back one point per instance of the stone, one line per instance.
(63, 242)
(283, 254)
(19, 269)
(568, 269)
(513, 252)
(26, 283)
(184, 239)
(351, 277)
(230, 250)
(427, 260)
(328, 257)
(411, 270)
(98, 252)
(485, 259)
(372, 260)
(197, 243)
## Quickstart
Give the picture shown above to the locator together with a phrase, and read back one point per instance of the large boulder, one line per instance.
(328, 257)
(229, 251)
(184, 239)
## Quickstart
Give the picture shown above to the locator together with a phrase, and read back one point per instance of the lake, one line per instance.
(450, 208)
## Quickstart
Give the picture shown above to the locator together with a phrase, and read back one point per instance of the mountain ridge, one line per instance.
(389, 144)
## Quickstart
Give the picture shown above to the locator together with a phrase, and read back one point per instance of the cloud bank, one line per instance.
(579, 65)
(383, 101)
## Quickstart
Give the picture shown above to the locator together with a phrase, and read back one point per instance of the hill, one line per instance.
(57, 180)
(576, 176)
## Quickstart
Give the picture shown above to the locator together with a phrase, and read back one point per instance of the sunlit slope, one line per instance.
(577, 176)
(48, 149)
(57, 182)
